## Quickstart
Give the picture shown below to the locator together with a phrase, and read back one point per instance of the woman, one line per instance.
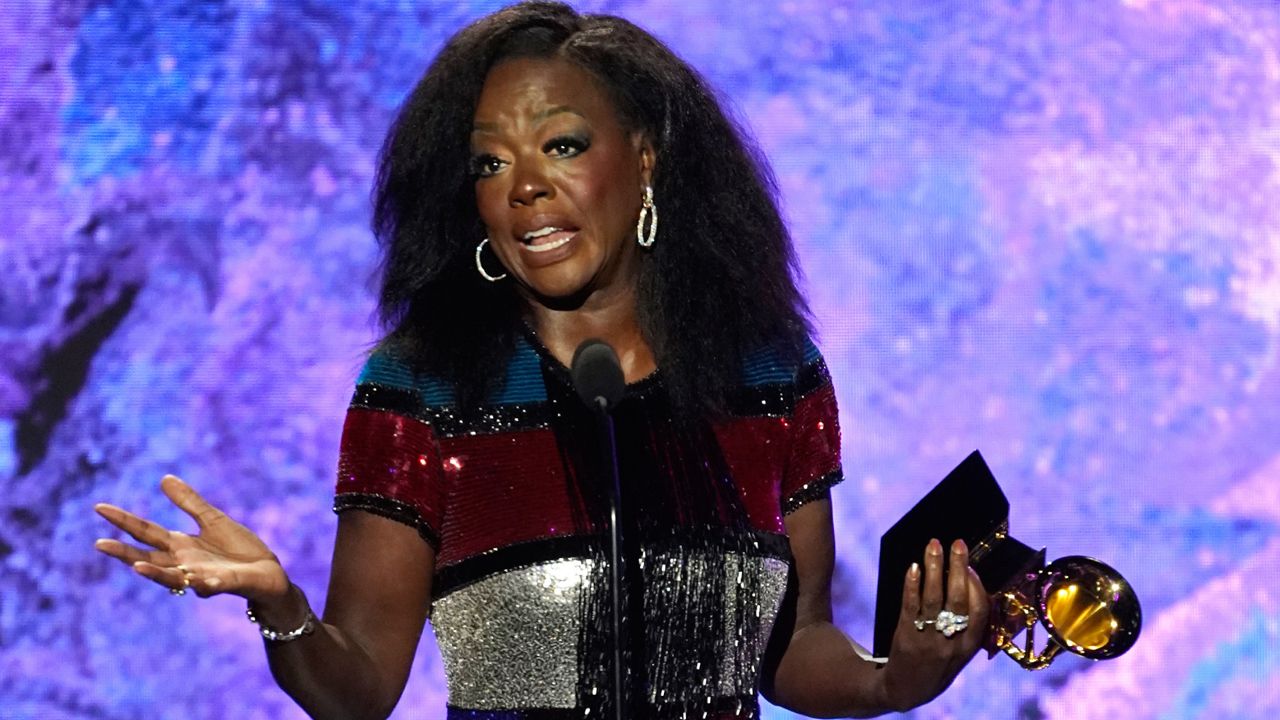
(518, 202)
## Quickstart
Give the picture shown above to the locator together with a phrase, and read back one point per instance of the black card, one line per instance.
(967, 504)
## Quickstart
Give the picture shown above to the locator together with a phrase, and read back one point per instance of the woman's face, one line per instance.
(558, 181)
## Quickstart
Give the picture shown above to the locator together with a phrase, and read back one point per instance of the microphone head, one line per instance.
(597, 374)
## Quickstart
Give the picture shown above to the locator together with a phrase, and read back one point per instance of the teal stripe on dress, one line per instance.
(385, 370)
(524, 382)
(767, 367)
(435, 392)
(811, 352)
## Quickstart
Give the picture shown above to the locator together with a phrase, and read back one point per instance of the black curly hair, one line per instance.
(719, 282)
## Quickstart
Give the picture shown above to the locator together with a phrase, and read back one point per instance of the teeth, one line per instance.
(540, 232)
(549, 246)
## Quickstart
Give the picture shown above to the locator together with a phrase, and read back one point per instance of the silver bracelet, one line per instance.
(307, 627)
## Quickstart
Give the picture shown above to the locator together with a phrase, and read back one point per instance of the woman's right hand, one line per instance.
(224, 557)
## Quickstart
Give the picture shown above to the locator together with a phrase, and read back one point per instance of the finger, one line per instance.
(171, 577)
(979, 601)
(144, 531)
(205, 581)
(931, 600)
(911, 594)
(129, 554)
(973, 637)
(958, 579)
(190, 501)
(197, 578)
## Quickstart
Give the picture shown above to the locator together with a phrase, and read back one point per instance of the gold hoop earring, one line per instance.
(649, 214)
(480, 264)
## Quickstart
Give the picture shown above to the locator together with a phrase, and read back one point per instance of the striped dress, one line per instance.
(509, 497)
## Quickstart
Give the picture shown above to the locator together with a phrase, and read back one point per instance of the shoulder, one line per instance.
(799, 366)
(389, 373)
(388, 380)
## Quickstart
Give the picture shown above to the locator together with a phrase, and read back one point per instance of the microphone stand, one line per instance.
(599, 382)
(608, 464)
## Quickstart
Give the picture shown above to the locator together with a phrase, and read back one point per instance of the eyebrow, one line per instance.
(538, 117)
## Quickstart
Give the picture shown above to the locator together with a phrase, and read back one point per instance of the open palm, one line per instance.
(224, 557)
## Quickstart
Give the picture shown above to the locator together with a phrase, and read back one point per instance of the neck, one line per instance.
(611, 319)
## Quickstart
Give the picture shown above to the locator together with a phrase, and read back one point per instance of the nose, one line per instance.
(529, 185)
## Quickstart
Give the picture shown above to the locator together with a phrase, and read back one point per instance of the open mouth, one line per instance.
(548, 238)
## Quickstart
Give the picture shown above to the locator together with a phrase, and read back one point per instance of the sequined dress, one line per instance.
(508, 496)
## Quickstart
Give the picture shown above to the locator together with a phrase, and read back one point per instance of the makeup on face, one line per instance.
(557, 178)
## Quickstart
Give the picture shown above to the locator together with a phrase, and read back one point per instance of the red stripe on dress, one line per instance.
(504, 488)
(815, 444)
(756, 449)
(392, 456)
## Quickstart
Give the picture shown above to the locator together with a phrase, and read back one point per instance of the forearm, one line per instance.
(328, 673)
(821, 675)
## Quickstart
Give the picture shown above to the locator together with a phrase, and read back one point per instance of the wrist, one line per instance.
(287, 608)
(268, 619)
(885, 696)
(274, 589)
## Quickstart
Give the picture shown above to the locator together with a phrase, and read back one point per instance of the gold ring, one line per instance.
(186, 580)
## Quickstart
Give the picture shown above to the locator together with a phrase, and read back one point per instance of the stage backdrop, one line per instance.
(1047, 230)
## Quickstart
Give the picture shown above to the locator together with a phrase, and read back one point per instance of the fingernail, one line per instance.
(958, 547)
(914, 571)
(935, 547)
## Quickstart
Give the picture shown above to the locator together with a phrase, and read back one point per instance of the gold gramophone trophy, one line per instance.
(1084, 605)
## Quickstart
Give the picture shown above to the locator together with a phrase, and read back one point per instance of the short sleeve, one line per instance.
(389, 457)
(813, 466)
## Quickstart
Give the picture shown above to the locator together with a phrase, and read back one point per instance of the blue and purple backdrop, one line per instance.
(1048, 230)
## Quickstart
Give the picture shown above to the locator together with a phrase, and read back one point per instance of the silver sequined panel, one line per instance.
(770, 578)
(753, 588)
(511, 640)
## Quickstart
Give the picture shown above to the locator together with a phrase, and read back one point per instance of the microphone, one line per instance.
(597, 375)
(597, 378)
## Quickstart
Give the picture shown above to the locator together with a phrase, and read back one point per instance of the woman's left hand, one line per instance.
(923, 661)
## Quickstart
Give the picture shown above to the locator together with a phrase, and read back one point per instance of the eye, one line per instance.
(566, 146)
(481, 166)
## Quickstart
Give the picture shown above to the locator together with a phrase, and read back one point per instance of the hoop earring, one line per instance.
(649, 213)
(480, 265)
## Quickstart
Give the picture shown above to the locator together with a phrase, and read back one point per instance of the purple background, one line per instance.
(1047, 230)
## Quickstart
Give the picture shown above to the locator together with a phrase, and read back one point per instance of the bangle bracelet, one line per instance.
(307, 627)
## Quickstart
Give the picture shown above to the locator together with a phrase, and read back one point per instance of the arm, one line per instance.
(356, 663)
(817, 671)
(358, 660)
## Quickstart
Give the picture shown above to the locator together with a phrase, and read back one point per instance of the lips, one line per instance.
(533, 228)
(549, 241)
(543, 235)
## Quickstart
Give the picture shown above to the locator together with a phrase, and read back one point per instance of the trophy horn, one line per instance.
(1084, 605)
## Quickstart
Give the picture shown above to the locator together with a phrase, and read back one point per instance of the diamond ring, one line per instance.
(949, 623)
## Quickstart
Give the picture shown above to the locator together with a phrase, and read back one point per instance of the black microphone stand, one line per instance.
(608, 462)
(598, 380)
